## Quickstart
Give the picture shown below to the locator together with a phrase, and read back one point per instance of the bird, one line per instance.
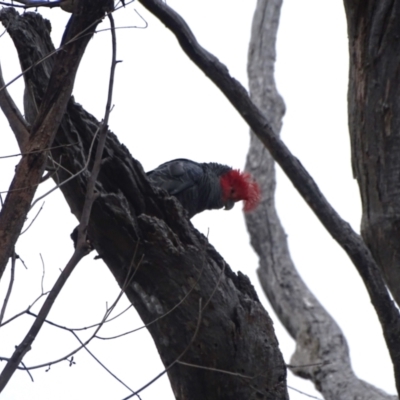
(205, 186)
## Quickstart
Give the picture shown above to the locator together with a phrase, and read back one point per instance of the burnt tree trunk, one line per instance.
(374, 120)
(220, 322)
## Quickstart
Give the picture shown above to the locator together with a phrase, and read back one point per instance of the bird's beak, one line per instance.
(229, 205)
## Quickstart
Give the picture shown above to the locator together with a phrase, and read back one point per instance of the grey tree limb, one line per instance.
(319, 340)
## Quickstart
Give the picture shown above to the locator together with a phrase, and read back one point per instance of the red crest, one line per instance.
(238, 186)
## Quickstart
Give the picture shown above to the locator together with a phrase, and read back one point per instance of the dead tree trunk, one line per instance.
(374, 121)
(214, 320)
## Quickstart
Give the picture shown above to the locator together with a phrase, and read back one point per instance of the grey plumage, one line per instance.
(196, 185)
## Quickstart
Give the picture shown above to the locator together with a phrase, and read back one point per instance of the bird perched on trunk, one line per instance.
(205, 186)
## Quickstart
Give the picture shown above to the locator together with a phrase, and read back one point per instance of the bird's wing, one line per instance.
(177, 175)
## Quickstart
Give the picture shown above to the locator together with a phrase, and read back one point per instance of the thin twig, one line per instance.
(222, 371)
(85, 167)
(37, 214)
(25, 345)
(128, 27)
(303, 393)
(320, 364)
(27, 371)
(22, 261)
(14, 117)
(60, 166)
(146, 23)
(55, 51)
(104, 320)
(201, 310)
(43, 273)
(47, 176)
(78, 36)
(13, 317)
(176, 360)
(99, 325)
(40, 151)
(5, 30)
(90, 193)
(10, 286)
(101, 364)
(216, 286)
(164, 314)
(25, 311)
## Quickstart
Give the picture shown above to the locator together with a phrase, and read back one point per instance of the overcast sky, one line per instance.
(166, 108)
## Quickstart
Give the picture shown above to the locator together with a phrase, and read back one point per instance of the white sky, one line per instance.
(166, 108)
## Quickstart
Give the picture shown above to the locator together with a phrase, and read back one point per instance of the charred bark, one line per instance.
(220, 323)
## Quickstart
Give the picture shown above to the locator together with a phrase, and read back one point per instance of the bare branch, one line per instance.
(238, 375)
(201, 310)
(222, 371)
(78, 36)
(38, 151)
(84, 168)
(177, 359)
(34, 219)
(27, 371)
(10, 286)
(25, 345)
(195, 283)
(104, 320)
(128, 27)
(56, 112)
(25, 311)
(30, 169)
(90, 193)
(43, 273)
(303, 393)
(17, 122)
(101, 364)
